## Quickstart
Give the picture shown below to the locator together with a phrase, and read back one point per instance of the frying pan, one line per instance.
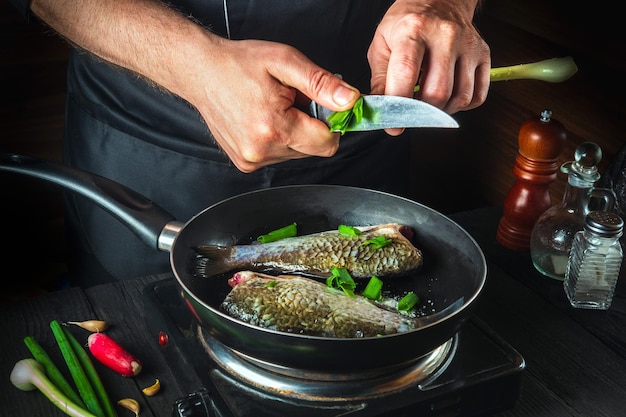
(448, 284)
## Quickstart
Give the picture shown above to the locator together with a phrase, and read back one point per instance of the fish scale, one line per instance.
(317, 254)
(297, 304)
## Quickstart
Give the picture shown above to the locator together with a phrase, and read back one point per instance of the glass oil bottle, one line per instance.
(552, 235)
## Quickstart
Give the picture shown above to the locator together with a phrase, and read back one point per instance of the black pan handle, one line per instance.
(143, 217)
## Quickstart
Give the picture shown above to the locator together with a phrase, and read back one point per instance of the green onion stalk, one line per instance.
(28, 374)
(553, 70)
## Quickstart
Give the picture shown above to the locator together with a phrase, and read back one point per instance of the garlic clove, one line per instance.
(91, 325)
(152, 389)
(130, 404)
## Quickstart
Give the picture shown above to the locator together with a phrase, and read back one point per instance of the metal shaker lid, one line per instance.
(604, 223)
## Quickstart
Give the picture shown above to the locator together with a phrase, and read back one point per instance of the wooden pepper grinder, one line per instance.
(541, 141)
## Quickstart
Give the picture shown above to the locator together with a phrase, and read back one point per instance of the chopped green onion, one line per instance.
(373, 289)
(272, 284)
(278, 234)
(357, 110)
(348, 230)
(341, 279)
(377, 242)
(339, 121)
(408, 302)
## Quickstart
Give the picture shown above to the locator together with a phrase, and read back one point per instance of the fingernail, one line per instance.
(344, 95)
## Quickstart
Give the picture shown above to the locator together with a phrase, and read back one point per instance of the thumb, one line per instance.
(333, 93)
(317, 84)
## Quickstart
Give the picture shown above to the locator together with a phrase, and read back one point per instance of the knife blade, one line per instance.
(382, 112)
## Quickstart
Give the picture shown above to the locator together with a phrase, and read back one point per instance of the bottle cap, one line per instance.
(604, 223)
(584, 167)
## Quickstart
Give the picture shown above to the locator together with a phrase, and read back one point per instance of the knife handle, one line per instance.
(319, 112)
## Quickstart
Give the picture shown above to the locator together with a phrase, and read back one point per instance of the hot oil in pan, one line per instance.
(389, 301)
(215, 289)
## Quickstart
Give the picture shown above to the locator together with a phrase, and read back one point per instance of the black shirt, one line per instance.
(123, 128)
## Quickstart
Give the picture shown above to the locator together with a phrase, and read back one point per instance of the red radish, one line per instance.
(112, 355)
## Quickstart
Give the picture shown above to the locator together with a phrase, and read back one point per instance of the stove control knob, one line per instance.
(196, 404)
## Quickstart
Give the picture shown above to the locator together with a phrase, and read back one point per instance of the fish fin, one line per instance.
(211, 260)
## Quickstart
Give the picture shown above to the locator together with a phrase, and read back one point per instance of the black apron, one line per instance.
(122, 128)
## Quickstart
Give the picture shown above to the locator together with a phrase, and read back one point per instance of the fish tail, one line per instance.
(212, 260)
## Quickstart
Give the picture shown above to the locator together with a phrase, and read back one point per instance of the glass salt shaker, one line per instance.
(553, 232)
(594, 262)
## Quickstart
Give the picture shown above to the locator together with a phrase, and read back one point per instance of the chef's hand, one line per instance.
(251, 103)
(244, 90)
(432, 43)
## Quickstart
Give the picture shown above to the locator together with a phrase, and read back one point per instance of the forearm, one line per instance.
(143, 36)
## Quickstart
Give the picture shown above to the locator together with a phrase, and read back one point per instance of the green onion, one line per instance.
(553, 70)
(272, 284)
(53, 372)
(85, 389)
(373, 289)
(28, 374)
(348, 230)
(278, 234)
(357, 110)
(340, 121)
(377, 242)
(408, 302)
(341, 279)
(92, 375)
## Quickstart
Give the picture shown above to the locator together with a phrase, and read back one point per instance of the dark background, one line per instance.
(452, 170)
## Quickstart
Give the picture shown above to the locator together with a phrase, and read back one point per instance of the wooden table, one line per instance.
(575, 359)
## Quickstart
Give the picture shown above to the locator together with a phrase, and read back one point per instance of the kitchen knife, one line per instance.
(382, 112)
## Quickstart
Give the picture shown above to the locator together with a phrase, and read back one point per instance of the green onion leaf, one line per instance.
(408, 302)
(272, 284)
(85, 389)
(349, 230)
(278, 234)
(357, 110)
(373, 290)
(92, 375)
(377, 242)
(340, 121)
(341, 279)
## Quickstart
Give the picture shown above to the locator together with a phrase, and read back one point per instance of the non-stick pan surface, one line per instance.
(452, 276)
(448, 284)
